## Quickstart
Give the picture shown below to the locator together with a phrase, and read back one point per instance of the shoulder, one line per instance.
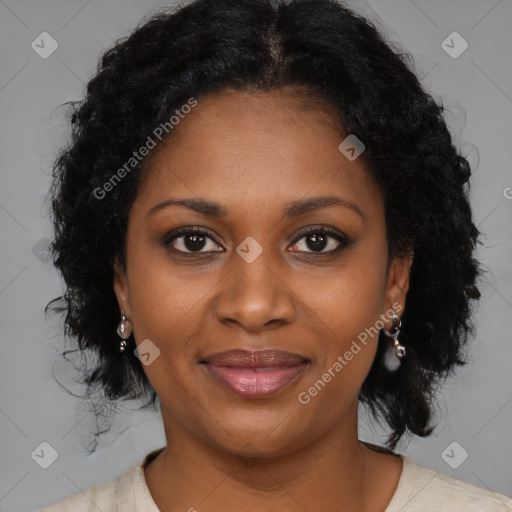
(103, 497)
(128, 494)
(422, 489)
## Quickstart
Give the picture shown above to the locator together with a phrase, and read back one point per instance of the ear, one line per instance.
(398, 282)
(121, 289)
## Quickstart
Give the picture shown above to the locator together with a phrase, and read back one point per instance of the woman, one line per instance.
(266, 206)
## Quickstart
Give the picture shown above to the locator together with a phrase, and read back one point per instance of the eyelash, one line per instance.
(324, 230)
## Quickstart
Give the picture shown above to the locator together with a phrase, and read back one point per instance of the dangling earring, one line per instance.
(124, 331)
(392, 363)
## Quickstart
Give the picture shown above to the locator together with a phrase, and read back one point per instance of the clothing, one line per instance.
(419, 490)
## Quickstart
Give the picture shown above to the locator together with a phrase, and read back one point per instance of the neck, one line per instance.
(328, 474)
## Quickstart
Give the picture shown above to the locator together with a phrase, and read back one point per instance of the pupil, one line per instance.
(197, 242)
(319, 242)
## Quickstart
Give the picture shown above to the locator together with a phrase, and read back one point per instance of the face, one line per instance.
(262, 275)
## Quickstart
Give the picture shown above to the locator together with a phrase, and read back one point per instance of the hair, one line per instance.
(324, 51)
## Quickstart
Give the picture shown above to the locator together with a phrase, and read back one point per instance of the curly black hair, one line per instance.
(326, 51)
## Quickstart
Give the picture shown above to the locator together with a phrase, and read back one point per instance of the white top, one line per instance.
(419, 490)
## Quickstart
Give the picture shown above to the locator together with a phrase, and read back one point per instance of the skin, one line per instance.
(252, 154)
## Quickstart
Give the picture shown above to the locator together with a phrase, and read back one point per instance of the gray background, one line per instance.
(476, 89)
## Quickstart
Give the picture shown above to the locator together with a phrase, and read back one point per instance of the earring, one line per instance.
(392, 363)
(124, 330)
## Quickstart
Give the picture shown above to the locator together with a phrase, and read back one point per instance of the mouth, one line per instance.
(255, 374)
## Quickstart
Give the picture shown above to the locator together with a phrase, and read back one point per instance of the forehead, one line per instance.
(241, 147)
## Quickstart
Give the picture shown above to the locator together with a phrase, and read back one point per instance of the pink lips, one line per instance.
(255, 374)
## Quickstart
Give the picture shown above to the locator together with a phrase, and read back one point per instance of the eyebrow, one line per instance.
(292, 209)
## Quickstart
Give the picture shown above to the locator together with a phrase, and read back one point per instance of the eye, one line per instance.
(317, 239)
(190, 240)
(194, 240)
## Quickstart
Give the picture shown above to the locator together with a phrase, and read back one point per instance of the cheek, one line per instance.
(163, 299)
(349, 298)
(165, 311)
(348, 338)
(346, 306)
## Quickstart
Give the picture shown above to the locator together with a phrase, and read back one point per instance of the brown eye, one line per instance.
(191, 240)
(319, 239)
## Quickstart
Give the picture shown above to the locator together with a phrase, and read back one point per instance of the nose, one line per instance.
(255, 295)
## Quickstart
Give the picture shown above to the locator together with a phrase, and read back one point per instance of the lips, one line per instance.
(255, 359)
(255, 374)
